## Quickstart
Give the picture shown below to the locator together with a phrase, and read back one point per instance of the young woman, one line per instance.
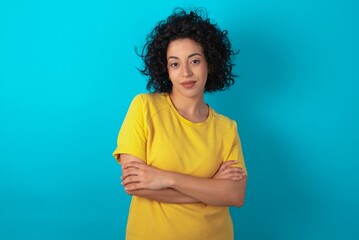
(182, 162)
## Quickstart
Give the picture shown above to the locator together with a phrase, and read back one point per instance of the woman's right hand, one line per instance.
(225, 171)
(138, 175)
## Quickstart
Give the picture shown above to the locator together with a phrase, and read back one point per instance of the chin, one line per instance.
(190, 93)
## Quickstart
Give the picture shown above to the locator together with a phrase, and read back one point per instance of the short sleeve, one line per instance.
(132, 137)
(236, 150)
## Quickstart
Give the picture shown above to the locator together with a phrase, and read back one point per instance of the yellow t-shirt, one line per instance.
(156, 133)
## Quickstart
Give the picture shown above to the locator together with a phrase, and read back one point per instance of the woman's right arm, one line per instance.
(166, 195)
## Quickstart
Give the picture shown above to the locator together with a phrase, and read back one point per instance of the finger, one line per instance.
(238, 178)
(129, 172)
(238, 175)
(238, 168)
(220, 174)
(226, 164)
(133, 187)
(234, 175)
(223, 175)
(223, 166)
(124, 169)
(129, 180)
(241, 176)
(231, 176)
(232, 170)
(132, 164)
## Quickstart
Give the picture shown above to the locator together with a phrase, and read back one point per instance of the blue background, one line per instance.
(68, 73)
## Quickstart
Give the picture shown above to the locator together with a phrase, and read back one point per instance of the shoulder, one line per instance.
(150, 99)
(150, 104)
(224, 121)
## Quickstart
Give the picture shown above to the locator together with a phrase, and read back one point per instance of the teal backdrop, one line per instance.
(68, 73)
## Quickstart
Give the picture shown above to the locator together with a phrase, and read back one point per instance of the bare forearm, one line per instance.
(217, 192)
(166, 195)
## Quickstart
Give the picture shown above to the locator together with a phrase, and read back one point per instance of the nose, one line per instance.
(186, 70)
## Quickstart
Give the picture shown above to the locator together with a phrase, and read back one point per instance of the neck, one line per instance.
(193, 109)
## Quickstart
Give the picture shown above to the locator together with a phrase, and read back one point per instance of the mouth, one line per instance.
(188, 84)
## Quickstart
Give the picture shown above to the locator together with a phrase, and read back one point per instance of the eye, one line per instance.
(174, 64)
(196, 61)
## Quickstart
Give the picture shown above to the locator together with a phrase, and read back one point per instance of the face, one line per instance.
(187, 68)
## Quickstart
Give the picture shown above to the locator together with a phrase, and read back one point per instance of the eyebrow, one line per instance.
(189, 56)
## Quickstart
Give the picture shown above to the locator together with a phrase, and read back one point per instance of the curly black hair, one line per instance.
(196, 26)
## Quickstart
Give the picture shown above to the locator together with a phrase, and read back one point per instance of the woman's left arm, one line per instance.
(212, 191)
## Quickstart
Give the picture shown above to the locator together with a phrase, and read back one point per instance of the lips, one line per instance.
(188, 84)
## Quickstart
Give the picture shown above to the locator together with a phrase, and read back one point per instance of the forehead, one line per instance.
(183, 47)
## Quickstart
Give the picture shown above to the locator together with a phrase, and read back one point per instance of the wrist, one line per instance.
(170, 179)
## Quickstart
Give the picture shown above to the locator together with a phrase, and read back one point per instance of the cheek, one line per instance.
(171, 74)
(205, 73)
(205, 70)
(168, 72)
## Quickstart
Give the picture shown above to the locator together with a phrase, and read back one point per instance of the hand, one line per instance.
(137, 175)
(225, 171)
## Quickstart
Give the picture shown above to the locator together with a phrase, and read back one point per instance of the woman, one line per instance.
(181, 161)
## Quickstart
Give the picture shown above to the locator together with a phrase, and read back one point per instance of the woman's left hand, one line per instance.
(137, 175)
(226, 171)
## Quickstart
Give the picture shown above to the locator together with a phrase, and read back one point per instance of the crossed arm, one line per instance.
(226, 188)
